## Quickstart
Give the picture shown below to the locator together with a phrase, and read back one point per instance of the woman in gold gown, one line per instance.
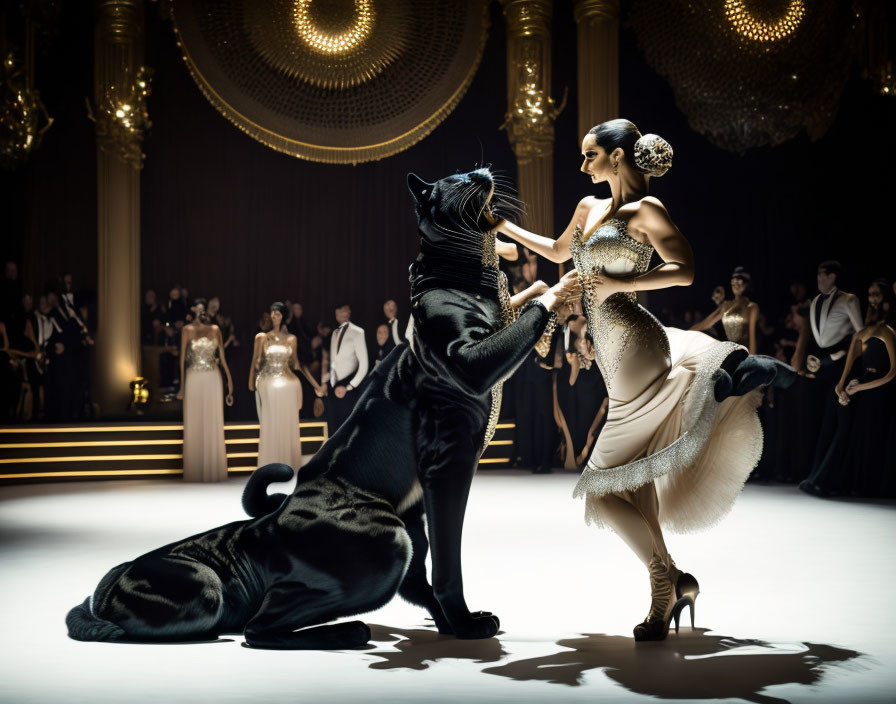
(278, 392)
(677, 445)
(738, 316)
(201, 355)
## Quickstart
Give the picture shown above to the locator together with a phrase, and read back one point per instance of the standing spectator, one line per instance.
(834, 316)
(150, 310)
(9, 383)
(176, 310)
(264, 324)
(384, 344)
(347, 368)
(544, 427)
(852, 454)
(390, 310)
(224, 323)
(298, 326)
(11, 295)
(63, 401)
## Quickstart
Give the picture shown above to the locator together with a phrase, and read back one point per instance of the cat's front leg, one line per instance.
(446, 474)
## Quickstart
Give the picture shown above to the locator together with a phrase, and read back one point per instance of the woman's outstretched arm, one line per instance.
(709, 320)
(553, 250)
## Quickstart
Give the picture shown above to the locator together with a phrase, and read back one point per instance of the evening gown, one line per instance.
(663, 424)
(736, 322)
(855, 458)
(278, 397)
(205, 456)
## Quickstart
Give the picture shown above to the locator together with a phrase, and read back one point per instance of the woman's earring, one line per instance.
(615, 168)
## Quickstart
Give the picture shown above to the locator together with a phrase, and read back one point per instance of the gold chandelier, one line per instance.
(23, 117)
(751, 73)
(748, 25)
(329, 42)
(337, 81)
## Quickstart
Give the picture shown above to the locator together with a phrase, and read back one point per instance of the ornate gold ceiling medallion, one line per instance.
(319, 39)
(338, 81)
(745, 22)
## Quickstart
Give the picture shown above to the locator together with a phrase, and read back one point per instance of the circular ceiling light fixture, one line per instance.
(312, 20)
(745, 22)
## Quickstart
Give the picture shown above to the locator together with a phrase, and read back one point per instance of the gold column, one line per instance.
(598, 62)
(530, 108)
(118, 58)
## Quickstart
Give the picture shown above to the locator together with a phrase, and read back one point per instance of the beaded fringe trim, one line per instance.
(700, 408)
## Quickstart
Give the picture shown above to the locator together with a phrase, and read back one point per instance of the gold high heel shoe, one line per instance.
(670, 591)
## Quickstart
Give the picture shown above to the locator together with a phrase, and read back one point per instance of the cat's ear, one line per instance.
(420, 189)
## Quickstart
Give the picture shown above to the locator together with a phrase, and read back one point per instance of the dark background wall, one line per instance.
(224, 215)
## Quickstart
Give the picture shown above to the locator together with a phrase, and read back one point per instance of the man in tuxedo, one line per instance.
(347, 368)
(390, 310)
(833, 317)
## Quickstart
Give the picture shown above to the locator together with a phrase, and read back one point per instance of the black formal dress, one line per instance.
(590, 392)
(544, 428)
(852, 447)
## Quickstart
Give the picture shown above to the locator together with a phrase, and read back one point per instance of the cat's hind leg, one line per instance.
(313, 598)
(289, 606)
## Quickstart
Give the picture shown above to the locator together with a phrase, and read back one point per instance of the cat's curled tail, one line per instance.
(256, 500)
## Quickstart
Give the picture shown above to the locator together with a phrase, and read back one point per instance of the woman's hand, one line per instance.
(842, 396)
(180, 394)
(228, 399)
(610, 285)
(853, 387)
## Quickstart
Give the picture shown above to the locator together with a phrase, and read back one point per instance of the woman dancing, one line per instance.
(678, 444)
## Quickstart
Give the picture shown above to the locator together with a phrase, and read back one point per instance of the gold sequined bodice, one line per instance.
(736, 321)
(201, 355)
(621, 329)
(275, 362)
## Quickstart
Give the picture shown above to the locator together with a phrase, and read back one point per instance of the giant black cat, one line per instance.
(352, 534)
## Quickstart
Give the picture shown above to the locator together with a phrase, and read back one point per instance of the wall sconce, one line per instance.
(139, 394)
(122, 119)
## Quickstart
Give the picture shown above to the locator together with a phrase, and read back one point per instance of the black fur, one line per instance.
(352, 533)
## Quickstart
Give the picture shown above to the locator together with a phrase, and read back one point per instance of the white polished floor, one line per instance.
(797, 605)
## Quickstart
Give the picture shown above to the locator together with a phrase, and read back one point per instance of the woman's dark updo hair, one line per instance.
(281, 308)
(649, 154)
(203, 317)
(743, 276)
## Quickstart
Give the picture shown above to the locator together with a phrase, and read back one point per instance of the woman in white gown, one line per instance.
(278, 392)
(201, 351)
(677, 445)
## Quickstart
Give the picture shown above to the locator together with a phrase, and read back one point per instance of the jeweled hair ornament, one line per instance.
(653, 154)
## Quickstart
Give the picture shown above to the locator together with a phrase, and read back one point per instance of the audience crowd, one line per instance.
(821, 433)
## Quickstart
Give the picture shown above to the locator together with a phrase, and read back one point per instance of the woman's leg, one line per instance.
(634, 515)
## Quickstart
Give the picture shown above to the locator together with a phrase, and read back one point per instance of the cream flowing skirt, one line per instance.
(278, 399)
(698, 452)
(205, 456)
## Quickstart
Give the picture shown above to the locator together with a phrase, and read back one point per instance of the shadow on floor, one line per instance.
(417, 648)
(691, 665)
